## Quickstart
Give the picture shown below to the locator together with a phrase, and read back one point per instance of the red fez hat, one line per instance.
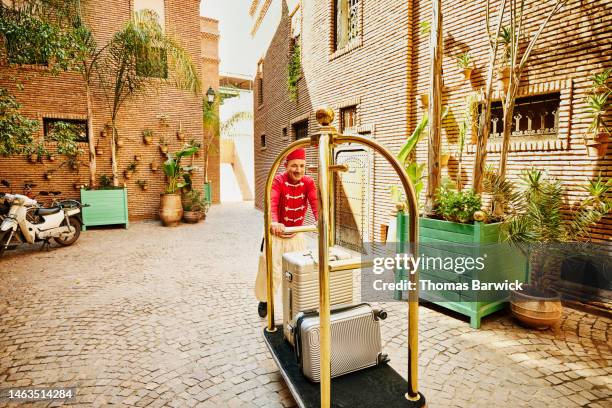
(297, 154)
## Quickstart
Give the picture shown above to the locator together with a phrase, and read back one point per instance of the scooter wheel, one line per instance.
(4, 236)
(74, 222)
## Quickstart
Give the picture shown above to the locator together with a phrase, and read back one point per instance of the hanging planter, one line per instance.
(180, 135)
(51, 158)
(119, 143)
(147, 136)
(503, 78)
(143, 185)
(424, 100)
(127, 175)
(467, 73)
(137, 158)
(464, 61)
(444, 158)
(99, 151)
(33, 158)
(48, 175)
(598, 146)
(154, 167)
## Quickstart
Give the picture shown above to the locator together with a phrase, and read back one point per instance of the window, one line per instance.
(533, 116)
(285, 133)
(260, 95)
(300, 129)
(79, 126)
(347, 20)
(262, 141)
(348, 118)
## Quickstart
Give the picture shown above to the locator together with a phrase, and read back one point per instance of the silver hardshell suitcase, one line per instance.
(301, 284)
(355, 340)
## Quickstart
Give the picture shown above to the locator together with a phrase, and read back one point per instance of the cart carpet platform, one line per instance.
(379, 386)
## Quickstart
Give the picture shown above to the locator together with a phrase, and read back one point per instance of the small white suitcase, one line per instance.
(301, 284)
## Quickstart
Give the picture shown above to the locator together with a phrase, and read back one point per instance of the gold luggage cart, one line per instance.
(379, 386)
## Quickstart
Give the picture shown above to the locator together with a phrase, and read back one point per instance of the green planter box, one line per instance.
(106, 207)
(437, 238)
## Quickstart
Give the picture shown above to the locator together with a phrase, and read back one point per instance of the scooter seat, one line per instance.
(47, 211)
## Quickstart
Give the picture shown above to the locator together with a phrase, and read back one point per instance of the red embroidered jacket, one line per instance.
(290, 201)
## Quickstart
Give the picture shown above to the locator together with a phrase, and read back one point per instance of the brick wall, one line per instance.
(388, 66)
(64, 97)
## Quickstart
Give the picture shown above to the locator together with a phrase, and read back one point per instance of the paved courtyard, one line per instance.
(155, 317)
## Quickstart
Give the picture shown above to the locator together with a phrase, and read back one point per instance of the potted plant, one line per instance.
(424, 100)
(154, 166)
(106, 205)
(99, 151)
(535, 224)
(130, 169)
(465, 63)
(194, 207)
(137, 158)
(142, 184)
(163, 145)
(597, 105)
(49, 175)
(600, 81)
(180, 135)
(444, 157)
(147, 136)
(503, 72)
(171, 210)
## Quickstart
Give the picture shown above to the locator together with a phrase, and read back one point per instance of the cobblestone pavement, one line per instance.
(165, 317)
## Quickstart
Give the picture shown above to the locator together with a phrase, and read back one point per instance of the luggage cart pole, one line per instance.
(324, 240)
(267, 224)
(413, 227)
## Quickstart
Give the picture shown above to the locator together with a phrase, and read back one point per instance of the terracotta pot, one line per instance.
(119, 143)
(192, 217)
(48, 176)
(163, 149)
(51, 158)
(536, 308)
(444, 158)
(154, 167)
(424, 100)
(126, 175)
(147, 139)
(467, 73)
(503, 77)
(180, 135)
(137, 158)
(170, 210)
(99, 151)
(598, 146)
(33, 158)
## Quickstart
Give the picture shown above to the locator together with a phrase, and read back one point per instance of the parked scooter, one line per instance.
(4, 206)
(27, 222)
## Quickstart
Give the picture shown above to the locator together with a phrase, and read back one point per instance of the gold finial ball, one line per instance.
(480, 216)
(325, 116)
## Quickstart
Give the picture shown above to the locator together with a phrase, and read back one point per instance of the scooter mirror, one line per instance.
(5, 183)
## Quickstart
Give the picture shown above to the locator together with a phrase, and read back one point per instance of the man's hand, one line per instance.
(278, 229)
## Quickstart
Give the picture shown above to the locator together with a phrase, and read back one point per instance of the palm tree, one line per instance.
(141, 48)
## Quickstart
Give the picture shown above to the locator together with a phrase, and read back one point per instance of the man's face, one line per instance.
(296, 169)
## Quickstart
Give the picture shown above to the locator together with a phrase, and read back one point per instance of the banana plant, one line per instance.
(175, 172)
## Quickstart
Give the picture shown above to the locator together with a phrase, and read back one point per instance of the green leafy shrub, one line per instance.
(457, 206)
(294, 71)
(16, 131)
(66, 135)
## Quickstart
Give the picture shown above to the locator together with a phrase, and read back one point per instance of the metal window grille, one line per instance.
(534, 116)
